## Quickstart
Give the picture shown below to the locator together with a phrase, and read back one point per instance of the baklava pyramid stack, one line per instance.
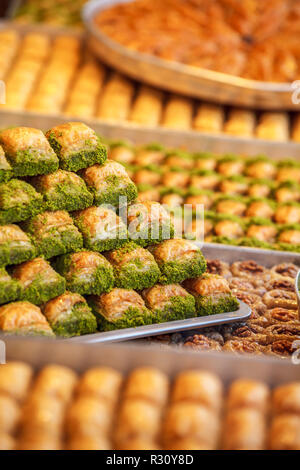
(78, 253)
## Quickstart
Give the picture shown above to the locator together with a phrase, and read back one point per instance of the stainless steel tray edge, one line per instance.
(191, 81)
(242, 314)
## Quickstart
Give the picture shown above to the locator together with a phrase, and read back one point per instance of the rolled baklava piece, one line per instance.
(70, 315)
(10, 289)
(178, 260)
(287, 191)
(137, 419)
(169, 302)
(115, 100)
(260, 167)
(102, 229)
(101, 383)
(76, 145)
(212, 294)
(241, 122)
(185, 420)
(9, 415)
(149, 384)
(134, 267)
(286, 398)
(121, 151)
(230, 165)
(205, 179)
(42, 415)
(260, 207)
(234, 185)
(147, 108)
(260, 187)
(228, 226)
(244, 429)
(209, 118)
(18, 201)
(54, 233)
(246, 393)
(6, 172)
(205, 161)
(15, 379)
(15, 245)
(119, 308)
(284, 432)
(199, 387)
(179, 159)
(63, 190)
(28, 151)
(39, 281)
(262, 230)
(287, 213)
(151, 154)
(86, 272)
(288, 171)
(178, 113)
(88, 416)
(231, 205)
(23, 318)
(57, 382)
(273, 126)
(289, 235)
(110, 184)
(149, 223)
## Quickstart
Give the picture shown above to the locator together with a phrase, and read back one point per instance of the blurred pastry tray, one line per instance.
(192, 81)
(189, 138)
(124, 358)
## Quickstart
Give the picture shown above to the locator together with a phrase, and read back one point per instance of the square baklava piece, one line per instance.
(23, 318)
(10, 289)
(6, 172)
(18, 201)
(86, 272)
(54, 233)
(15, 245)
(39, 281)
(63, 190)
(28, 151)
(76, 145)
(109, 183)
(102, 229)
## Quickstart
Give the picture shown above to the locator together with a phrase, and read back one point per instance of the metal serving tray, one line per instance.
(242, 314)
(180, 78)
(124, 358)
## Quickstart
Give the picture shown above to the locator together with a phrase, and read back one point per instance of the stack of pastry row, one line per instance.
(104, 410)
(70, 227)
(58, 77)
(247, 201)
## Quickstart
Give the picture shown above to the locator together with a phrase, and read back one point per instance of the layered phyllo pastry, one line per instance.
(120, 308)
(149, 223)
(54, 233)
(134, 267)
(57, 382)
(86, 272)
(39, 281)
(10, 289)
(63, 190)
(70, 315)
(15, 245)
(23, 318)
(102, 383)
(18, 201)
(76, 145)
(102, 228)
(212, 294)
(88, 417)
(5, 169)
(149, 384)
(110, 184)
(169, 302)
(178, 260)
(28, 151)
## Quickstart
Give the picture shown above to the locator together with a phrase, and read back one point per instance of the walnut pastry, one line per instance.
(280, 298)
(242, 345)
(248, 269)
(286, 269)
(215, 266)
(201, 342)
(282, 315)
